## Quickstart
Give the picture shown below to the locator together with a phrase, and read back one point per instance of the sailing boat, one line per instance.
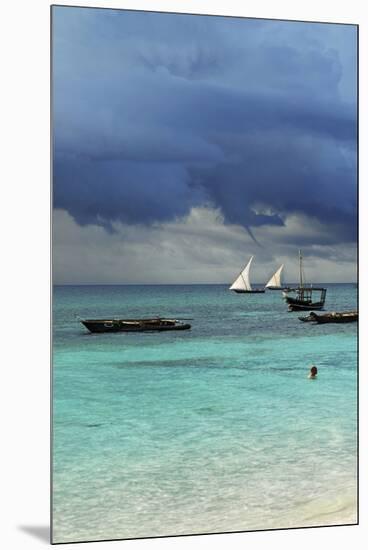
(275, 282)
(242, 285)
(305, 298)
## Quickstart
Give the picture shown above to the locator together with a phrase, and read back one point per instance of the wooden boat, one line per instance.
(134, 325)
(331, 317)
(275, 282)
(305, 298)
(242, 285)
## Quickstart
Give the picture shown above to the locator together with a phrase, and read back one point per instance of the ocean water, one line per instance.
(214, 429)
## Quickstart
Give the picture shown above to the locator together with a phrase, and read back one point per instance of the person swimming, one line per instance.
(313, 372)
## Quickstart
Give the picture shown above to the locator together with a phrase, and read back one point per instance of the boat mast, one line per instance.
(300, 269)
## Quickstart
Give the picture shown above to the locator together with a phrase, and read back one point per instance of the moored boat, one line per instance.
(134, 325)
(304, 298)
(331, 317)
(242, 285)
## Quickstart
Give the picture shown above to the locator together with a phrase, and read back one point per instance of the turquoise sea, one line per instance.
(215, 429)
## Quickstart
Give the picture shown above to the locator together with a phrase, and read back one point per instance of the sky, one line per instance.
(183, 144)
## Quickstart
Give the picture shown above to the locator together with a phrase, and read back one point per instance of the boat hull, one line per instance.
(302, 306)
(335, 317)
(338, 320)
(133, 325)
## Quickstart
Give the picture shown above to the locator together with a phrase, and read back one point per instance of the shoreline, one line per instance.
(330, 514)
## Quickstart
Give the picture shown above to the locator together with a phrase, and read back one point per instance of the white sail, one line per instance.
(275, 280)
(242, 281)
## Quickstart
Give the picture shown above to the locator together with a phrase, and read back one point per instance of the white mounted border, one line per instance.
(25, 222)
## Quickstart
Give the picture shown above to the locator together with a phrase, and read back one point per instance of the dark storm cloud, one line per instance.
(105, 191)
(155, 114)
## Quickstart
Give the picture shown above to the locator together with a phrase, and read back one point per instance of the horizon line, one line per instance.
(201, 284)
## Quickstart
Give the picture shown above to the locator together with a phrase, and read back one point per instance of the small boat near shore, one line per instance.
(134, 325)
(242, 285)
(331, 317)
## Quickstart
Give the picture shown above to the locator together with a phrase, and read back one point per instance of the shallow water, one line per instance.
(210, 430)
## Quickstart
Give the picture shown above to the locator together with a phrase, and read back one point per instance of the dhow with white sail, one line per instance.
(275, 282)
(242, 285)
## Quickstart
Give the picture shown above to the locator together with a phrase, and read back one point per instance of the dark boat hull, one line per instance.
(337, 320)
(133, 325)
(338, 317)
(295, 305)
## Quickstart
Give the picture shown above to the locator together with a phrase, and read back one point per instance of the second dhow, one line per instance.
(275, 282)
